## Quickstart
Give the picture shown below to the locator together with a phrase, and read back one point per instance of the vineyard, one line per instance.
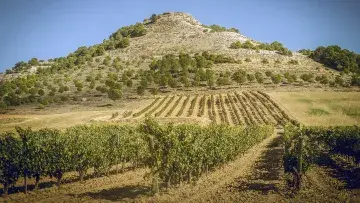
(174, 154)
(306, 146)
(237, 108)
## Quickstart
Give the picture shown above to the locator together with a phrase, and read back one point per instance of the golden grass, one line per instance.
(322, 108)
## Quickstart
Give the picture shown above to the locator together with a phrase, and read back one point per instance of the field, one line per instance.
(321, 108)
(233, 108)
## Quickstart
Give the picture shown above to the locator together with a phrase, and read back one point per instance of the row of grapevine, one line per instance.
(256, 108)
(146, 108)
(156, 107)
(174, 106)
(251, 120)
(223, 110)
(261, 110)
(283, 113)
(251, 109)
(234, 109)
(48, 152)
(305, 146)
(192, 105)
(219, 110)
(185, 152)
(164, 107)
(173, 153)
(202, 106)
(211, 109)
(246, 108)
(242, 110)
(269, 107)
(183, 106)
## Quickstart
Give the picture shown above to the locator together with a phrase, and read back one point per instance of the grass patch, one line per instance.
(4, 121)
(303, 100)
(351, 111)
(318, 112)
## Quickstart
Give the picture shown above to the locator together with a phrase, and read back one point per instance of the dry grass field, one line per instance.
(321, 108)
(309, 108)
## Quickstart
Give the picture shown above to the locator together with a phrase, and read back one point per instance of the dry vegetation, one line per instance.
(322, 108)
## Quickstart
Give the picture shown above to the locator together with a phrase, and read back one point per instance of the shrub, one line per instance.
(276, 79)
(41, 92)
(265, 61)
(259, 77)
(140, 90)
(250, 77)
(307, 77)
(293, 62)
(268, 73)
(239, 76)
(114, 94)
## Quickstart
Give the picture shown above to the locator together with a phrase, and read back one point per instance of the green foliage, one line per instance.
(10, 151)
(355, 80)
(154, 18)
(275, 46)
(259, 77)
(320, 142)
(337, 58)
(250, 78)
(114, 94)
(140, 90)
(293, 62)
(168, 150)
(223, 80)
(306, 52)
(192, 150)
(239, 76)
(3, 105)
(268, 73)
(210, 78)
(218, 28)
(290, 77)
(34, 62)
(323, 79)
(247, 60)
(276, 79)
(308, 77)
(136, 30)
(265, 61)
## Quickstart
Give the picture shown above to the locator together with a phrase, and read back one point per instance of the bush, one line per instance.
(337, 58)
(140, 90)
(268, 73)
(114, 94)
(259, 77)
(276, 79)
(293, 62)
(250, 77)
(307, 77)
(2, 105)
(41, 92)
(265, 61)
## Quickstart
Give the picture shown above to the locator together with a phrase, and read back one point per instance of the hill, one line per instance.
(170, 52)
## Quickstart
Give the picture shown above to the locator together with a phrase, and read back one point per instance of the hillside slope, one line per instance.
(168, 52)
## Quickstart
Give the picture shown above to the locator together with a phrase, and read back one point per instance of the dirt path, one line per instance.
(211, 188)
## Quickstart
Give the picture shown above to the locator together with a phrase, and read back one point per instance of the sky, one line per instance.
(47, 29)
